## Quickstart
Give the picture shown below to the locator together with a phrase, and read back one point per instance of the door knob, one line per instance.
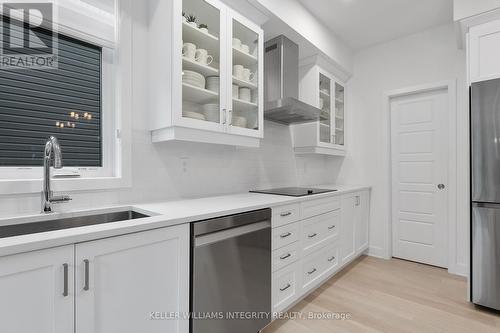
(441, 186)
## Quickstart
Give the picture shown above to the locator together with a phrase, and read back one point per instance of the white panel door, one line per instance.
(128, 278)
(419, 124)
(36, 291)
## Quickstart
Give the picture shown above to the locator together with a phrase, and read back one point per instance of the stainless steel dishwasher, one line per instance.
(231, 273)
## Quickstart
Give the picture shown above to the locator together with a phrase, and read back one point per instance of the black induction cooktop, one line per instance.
(294, 191)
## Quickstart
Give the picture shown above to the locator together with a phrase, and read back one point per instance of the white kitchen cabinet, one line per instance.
(321, 89)
(354, 229)
(187, 108)
(484, 51)
(37, 292)
(121, 280)
(361, 225)
(312, 240)
(347, 230)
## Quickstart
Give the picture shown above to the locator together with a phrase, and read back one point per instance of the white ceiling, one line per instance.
(362, 23)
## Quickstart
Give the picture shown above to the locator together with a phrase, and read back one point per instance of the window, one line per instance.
(64, 102)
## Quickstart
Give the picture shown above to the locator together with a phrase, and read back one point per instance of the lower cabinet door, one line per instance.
(36, 291)
(286, 287)
(134, 283)
(362, 222)
(347, 230)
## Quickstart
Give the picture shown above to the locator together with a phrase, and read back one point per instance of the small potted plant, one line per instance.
(184, 17)
(203, 27)
(191, 20)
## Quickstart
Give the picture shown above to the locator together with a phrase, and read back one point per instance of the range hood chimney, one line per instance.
(281, 81)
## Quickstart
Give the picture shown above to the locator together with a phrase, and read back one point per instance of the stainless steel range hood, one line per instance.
(281, 81)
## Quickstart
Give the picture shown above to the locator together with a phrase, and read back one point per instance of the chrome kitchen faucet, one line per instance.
(52, 147)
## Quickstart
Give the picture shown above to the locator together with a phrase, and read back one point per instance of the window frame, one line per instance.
(115, 113)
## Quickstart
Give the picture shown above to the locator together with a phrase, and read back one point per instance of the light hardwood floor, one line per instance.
(389, 296)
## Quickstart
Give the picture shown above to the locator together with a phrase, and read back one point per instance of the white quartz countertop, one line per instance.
(163, 214)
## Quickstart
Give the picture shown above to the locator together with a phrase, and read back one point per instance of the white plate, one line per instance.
(187, 73)
(194, 115)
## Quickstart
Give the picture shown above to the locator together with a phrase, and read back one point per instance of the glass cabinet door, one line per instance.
(245, 87)
(339, 114)
(202, 54)
(325, 124)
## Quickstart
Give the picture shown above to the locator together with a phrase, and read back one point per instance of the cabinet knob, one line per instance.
(441, 186)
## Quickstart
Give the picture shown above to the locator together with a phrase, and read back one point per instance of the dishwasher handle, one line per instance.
(230, 233)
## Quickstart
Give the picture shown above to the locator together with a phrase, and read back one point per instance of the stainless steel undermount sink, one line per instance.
(67, 223)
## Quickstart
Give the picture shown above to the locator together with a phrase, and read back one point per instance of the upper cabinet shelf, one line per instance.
(201, 39)
(195, 66)
(195, 95)
(243, 58)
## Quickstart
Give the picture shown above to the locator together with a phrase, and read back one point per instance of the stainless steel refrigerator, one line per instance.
(485, 219)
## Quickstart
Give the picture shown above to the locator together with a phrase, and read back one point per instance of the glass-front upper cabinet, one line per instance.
(203, 64)
(339, 114)
(206, 74)
(325, 125)
(247, 75)
(318, 87)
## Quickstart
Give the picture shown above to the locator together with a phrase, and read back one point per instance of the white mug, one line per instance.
(238, 71)
(189, 51)
(236, 43)
(236, 93)
(245, 48)
(245, 94)
(247, 75)
(203, 57)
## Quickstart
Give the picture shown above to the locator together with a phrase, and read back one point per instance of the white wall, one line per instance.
(294, 14)
(466, 8)
(427, 57)
(182, 170)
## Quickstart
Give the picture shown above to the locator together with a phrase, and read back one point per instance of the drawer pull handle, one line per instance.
(285, 256)
(331, 259)
(86, 264)
(313, 235)
(286, 214)
(288, 285)
(65, 282)
(313, 271)
(288, 234)
(331, 227)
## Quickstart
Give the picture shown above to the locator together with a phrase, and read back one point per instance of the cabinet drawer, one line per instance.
(285, 256)
(313, 267)
(319, 230)
(286, 287)
(285, 235)
(331, 258)
(318, 207)
(285, 214)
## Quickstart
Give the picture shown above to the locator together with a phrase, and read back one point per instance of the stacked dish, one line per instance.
(213, 83)
(193, 115)
(193, 78)
(212, 112)
(239, 121)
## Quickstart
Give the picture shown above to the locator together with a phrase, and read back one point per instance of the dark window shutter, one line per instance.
(35, 102)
